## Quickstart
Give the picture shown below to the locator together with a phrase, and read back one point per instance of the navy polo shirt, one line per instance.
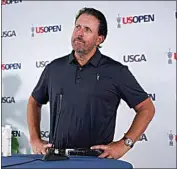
(90, 97)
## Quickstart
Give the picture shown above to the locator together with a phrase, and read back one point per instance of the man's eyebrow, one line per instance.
(84, 26)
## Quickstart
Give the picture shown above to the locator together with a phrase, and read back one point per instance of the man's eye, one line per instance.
(77, 26)
(87, 29)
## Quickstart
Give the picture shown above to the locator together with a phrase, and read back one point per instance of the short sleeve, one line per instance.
(129, 89)
(40, 92)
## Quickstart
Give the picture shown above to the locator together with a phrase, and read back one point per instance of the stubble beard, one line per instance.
(81, 52)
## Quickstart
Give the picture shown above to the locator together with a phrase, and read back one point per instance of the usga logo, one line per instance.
(9, 33)
(44, 134)
(8, 100)
(41, 64)
(171, 56)
(143, 137)
(134, 58)
(134, 19)
(45, 29)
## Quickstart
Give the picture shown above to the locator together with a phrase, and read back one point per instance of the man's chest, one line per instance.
(80, 82)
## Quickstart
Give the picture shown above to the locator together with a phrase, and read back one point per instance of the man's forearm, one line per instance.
(139, 125)
(33, 118)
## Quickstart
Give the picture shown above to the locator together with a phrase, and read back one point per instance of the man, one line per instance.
(91, 86)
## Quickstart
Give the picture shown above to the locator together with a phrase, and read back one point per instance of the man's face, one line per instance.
(85, 35)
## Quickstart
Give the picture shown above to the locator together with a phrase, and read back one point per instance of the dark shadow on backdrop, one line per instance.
(15, 113)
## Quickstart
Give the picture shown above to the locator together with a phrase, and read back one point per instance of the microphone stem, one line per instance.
(58, 113)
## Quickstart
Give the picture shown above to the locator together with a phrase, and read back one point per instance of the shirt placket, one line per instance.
(78, 78)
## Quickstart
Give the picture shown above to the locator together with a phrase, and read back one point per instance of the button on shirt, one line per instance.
(90, 97)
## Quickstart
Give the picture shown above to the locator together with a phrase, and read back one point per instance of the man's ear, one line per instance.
(100, 39)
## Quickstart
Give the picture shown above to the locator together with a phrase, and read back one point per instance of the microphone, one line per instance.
(51, 155)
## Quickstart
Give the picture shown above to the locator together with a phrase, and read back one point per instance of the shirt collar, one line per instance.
(94, 59)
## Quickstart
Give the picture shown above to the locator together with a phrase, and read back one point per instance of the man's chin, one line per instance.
(80, 51)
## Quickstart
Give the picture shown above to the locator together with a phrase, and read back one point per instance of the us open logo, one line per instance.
(9, 2)
(45, 29)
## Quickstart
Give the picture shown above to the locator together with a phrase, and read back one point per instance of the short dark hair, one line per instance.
(103, 30)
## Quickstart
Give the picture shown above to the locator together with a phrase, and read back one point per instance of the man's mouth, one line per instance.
(78, 41)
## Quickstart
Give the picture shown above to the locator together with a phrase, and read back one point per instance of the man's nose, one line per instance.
(80, 32)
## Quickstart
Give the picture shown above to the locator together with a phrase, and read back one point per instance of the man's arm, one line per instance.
(144, 114)
(39, 96)
(33, 118)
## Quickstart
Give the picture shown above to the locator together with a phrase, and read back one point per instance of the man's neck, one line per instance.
(83, 59)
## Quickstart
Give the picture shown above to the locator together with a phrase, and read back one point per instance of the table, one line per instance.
(34, 161)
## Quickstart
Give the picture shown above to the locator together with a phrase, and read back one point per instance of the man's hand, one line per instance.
(113, 150)
(39, 146)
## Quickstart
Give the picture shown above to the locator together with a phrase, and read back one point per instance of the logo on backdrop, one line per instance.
(135, 58)
(41, 64)
(134, 19)
(16, 133)
(11, 66)
(8, 100)
(172, 138)
(171, 56)
(45, 29)
(143, 137)
(152, 96)
(45, 134)
(9, 2)
(7, 34)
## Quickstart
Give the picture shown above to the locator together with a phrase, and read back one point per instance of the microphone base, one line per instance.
(54, 157)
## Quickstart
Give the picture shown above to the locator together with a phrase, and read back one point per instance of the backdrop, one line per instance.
(141, 35)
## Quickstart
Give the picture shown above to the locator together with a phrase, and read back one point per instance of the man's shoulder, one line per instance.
(58, 62)
(112, 62)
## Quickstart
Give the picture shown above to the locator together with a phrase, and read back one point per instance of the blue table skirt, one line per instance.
(34, 161)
